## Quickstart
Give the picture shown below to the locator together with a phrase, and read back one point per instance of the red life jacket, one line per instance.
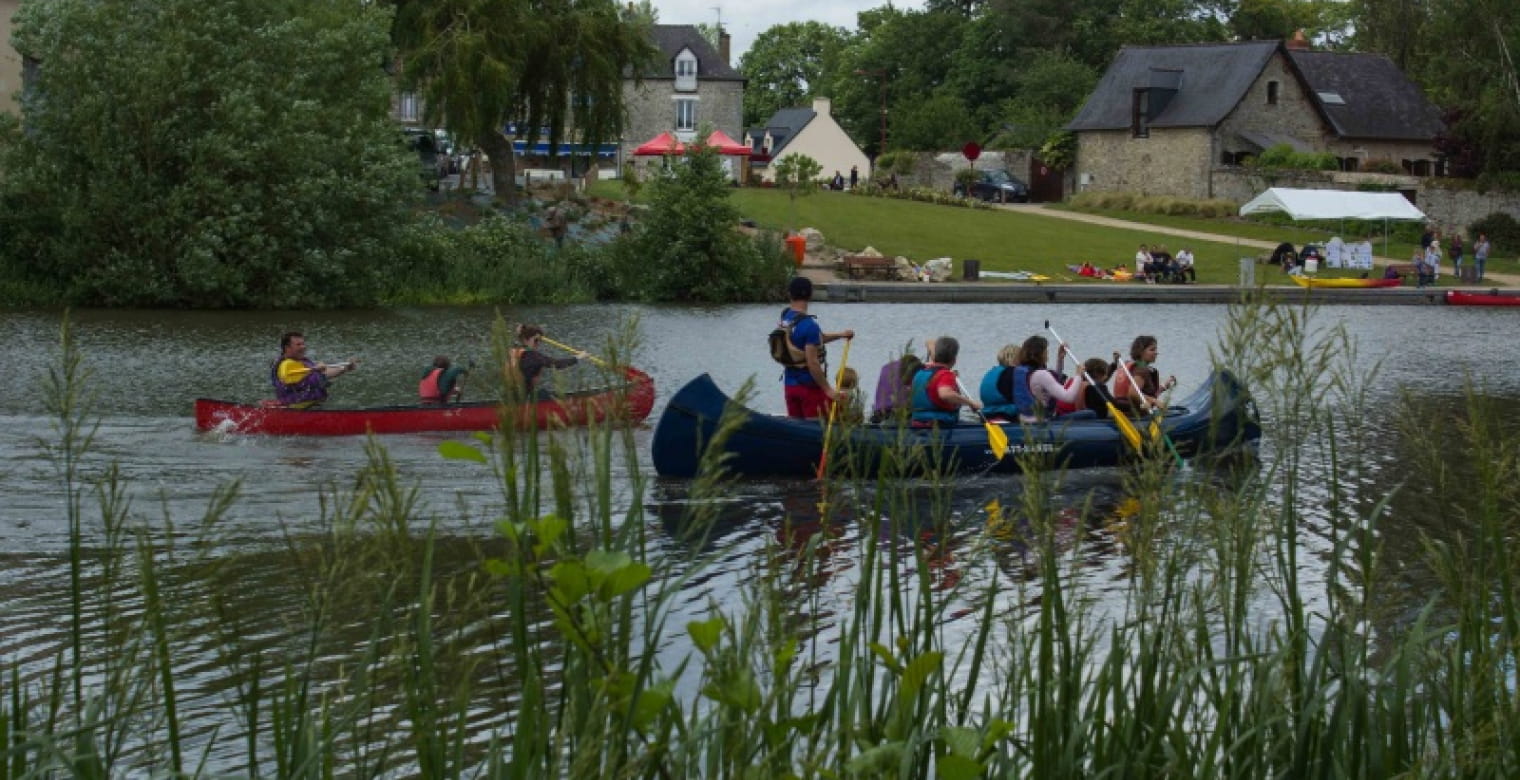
(427, 389)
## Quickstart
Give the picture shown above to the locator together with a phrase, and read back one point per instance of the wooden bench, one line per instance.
(869, 267)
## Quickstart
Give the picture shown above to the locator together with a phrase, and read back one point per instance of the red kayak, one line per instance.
(629, 403)
(1459, 298)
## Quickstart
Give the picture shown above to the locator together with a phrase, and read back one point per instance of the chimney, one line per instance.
(1298, 41)
(821, 106)
(723, 48)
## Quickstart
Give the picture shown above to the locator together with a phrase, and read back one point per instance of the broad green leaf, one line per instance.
(607, 561)
(883, 758)
(706, 633)
(957, 767)
(458, 450)
(916, 673)
(629, 578)
(648, 705)
(570, 581)
(962, 741)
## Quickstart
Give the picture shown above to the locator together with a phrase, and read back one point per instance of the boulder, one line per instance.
(906, 270)
(939, 269)
(869, 251)
(814, 238)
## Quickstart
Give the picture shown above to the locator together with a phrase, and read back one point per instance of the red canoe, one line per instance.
(629, 403)
(1459, 298)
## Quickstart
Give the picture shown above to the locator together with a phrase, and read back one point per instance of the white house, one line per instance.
(809, 131)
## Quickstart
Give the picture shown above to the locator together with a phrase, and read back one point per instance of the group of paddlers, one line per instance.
(300, 382)
(1021, 387)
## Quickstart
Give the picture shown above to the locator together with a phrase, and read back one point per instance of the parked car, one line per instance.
(1000, 186)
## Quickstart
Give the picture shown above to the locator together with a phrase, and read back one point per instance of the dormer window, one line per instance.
(1139, 118)
(767, 143)
(686, 71)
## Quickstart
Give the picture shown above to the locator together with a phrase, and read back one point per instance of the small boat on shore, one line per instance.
(629, 403)
(1217, 416)
(1460, 298)
(1311, 281)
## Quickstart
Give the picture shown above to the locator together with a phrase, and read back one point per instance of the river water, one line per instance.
(146, 367)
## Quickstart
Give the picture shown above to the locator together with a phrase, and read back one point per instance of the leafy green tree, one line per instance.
(798, 175)
(554, 69)
(788, 63)
(688, 246)
(205, 153)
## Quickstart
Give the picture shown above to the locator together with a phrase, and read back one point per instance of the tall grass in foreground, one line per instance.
(1233, 652)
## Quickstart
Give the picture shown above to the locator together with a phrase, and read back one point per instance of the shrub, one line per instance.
(1283, 156)
(498, 260)
(1381, 165)
(1503, 230)
(900, 162)
(1499, 181)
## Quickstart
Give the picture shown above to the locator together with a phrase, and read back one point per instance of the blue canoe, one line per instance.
(1217, 417)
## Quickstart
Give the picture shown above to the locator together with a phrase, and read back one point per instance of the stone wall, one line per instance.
(652, 110)
(1453, 208)
(1294, 115)
(1170, 162)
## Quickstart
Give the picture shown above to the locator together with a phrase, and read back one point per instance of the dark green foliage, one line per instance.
(787, 64)
(688, 247)
(205, 153)
(497, 260)
(1502, 229)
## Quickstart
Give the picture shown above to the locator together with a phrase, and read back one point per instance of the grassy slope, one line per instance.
(1002, 240)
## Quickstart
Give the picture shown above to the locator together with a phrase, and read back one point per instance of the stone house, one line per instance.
(809, 131)
(1180, 120)
(689, 85)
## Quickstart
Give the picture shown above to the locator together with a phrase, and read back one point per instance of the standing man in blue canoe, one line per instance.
(797, 343)
(298, 381)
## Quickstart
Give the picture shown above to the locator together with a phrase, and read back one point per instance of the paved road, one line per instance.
(1040, 210)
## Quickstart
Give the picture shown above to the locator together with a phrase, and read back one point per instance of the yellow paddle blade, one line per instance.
(997, 439)
(1126, 428)
(1155, 427)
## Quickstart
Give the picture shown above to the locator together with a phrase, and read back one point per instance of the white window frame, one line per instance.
(686, 105)
(686, 71)
(407, 105)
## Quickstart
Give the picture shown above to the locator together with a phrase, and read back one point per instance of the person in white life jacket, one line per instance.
(442, 382)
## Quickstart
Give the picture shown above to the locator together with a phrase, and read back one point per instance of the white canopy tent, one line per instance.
(1335, 204)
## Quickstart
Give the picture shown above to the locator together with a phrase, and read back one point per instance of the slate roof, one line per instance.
(670, 39)
(784, 125)
(1380, 101)
(1214, 78)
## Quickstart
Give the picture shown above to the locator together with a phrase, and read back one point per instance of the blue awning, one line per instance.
(541, 149)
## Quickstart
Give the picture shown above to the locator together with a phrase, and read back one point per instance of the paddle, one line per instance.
(1155, 423)
(568, 348)
(997, 438)
(1121, 420)
(828, 428)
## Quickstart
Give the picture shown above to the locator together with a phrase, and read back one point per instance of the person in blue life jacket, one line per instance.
(805, 382)
(298, 381)
(936, 397)
(1020, 387)
(442, 382)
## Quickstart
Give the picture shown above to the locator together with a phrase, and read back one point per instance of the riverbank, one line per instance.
(844, 291)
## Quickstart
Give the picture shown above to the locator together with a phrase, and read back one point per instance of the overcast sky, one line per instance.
(745, 21)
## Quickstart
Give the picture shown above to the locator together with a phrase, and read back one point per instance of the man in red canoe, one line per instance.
(298, 381)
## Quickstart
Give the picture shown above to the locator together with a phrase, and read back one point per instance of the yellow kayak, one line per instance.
(1309, 281)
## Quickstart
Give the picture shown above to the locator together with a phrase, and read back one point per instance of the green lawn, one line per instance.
(1001, 240)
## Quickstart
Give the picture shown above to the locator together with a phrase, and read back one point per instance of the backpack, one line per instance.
(781, 347)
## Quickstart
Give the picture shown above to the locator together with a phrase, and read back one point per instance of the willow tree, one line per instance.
(553, 68)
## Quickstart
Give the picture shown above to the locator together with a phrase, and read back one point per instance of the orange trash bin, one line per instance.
(798, 245)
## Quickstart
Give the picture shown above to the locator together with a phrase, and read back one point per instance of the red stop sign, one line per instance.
(972, 151)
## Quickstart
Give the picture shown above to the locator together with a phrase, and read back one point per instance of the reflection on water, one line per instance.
(147, 367)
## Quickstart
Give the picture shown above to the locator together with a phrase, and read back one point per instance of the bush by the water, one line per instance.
(499, 259)
(203, 153)
(688, 246)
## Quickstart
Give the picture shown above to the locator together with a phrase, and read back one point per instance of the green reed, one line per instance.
(966, 642)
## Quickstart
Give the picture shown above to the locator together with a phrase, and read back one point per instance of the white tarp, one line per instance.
(1333, 204)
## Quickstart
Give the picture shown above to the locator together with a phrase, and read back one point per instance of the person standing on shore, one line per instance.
(1480, 254)
(805, 382)
(1456, 255)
